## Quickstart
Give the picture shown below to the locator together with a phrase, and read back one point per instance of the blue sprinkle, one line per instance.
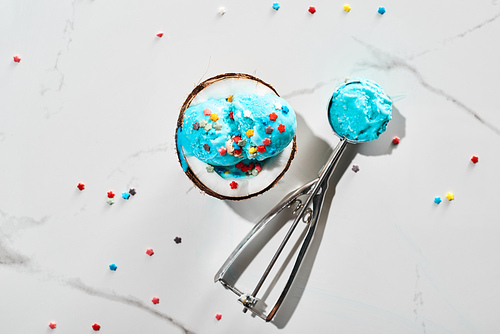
(112, 267)
(276, 6)
(236, 146)
(271, 150)
(437, 200)
(285, 109)
(125, 195)
(381, 11)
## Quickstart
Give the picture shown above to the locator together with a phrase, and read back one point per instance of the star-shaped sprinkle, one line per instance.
(252, 149)
(233, 185)
(285, 109)
(258, 167)
(110, 201)
(355, 168)
(96, 327)
(222, 150)
(396, 140)
(214, 117)
(218, 316)
(437, 199)
(52, 325)
(347, 8)
(113, 267)
(242, 142)
(160, 34)
(178, 240)
(268, 130)
(381, 10)
(111, 194)
(450, 196)
(281, 128)
(206, 147)
(474, 159)
(150, 251)
(125, 195)
(277, 106)
(247, 113)
(217, 126)
(196, 126)
(203, 122)
(312, 10)
(210, 169)
(266, 141)
(230, 114)
(249, 133)
(230, 99)
(273, 116)
(17, 59)
(132, 191)
(207, 112)
(276, 6)
(261, 148)
(80, 186)
(155, 300)
(208, 127)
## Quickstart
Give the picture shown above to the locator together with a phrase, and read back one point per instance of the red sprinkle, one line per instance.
(266, 141)
(231, 114)
(258, 167)
(312, 10)
(17, 59)
(244, 169)
(236, 139)
(150, 251)
(160, 34)
(80, 186)
(474, 159)
(239, 165)
(273, 116)
(261, 148)
(396, 140)
(222, 150)
(207, 112)
(52, 325)
(111, 194)
(155, 300)
(96, 327)
(233, 185)
(281, 128)
(218, 316)
(237, 152)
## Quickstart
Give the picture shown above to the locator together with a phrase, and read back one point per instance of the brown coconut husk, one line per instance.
(186, 105)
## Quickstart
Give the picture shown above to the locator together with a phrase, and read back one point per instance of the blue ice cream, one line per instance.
(359, 110)
(243, 128)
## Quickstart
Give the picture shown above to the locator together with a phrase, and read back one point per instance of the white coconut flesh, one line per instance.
(272, 167)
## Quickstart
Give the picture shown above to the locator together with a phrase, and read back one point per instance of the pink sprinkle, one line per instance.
(222, 150)
(155, 300)
(396, 140)
(207, 112)
(266, 141)
(218, 316)
(258, 167)
(160, 34)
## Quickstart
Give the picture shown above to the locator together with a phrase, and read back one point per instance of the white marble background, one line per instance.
(95, 100)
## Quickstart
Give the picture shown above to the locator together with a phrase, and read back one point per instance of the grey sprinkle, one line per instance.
(268, 130)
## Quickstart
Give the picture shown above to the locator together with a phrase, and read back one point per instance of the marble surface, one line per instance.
(95, 99)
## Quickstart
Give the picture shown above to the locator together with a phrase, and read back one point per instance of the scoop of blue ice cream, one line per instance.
(359, 110)
(223, 132)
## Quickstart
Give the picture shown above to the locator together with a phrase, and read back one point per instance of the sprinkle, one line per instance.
(273, 116)
(474, 159)
(266, 141)
(277, 106)
(125, 195)
(285, 109)
(247, 113)
(381, 10)
(252, 150)
(239, 165)
(196, 126)
(206, 147)
(210, 169)
(150, 251)
(214, 117)
(178, 240)
(155, 300)
(242, 142)
(312, 10)
(230, 114)
(268, 130)
(258, 167)
(222, 150)
(203, 123)
(230, 98)
(233, 185)
(249, 133)
(17, 59)
(160, 34)
(396, 140)
(276, 6)
(255, 172)
(113, 267)
(281, 128)
(236, 139)
(236, 146)
(450, 196)
(222, 11)
(347, 8)
(237, 152)
(271, 150)
(96, 327)
(208, 127)
(207, 112)
(110, 201)
(355, 168)
(261, 149)
(80, 186)
(111, 194)
(217, 126)
(52, 325)
(218, 316)
(437, 199)
(132, 191)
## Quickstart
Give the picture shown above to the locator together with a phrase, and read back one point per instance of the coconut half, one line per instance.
(273, 169)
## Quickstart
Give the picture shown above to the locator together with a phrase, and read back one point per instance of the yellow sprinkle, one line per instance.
(347, 7)
(230, 98)
(450, 196)
(252, 150)
(214, 117)
(227, 172)
(249, 133)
